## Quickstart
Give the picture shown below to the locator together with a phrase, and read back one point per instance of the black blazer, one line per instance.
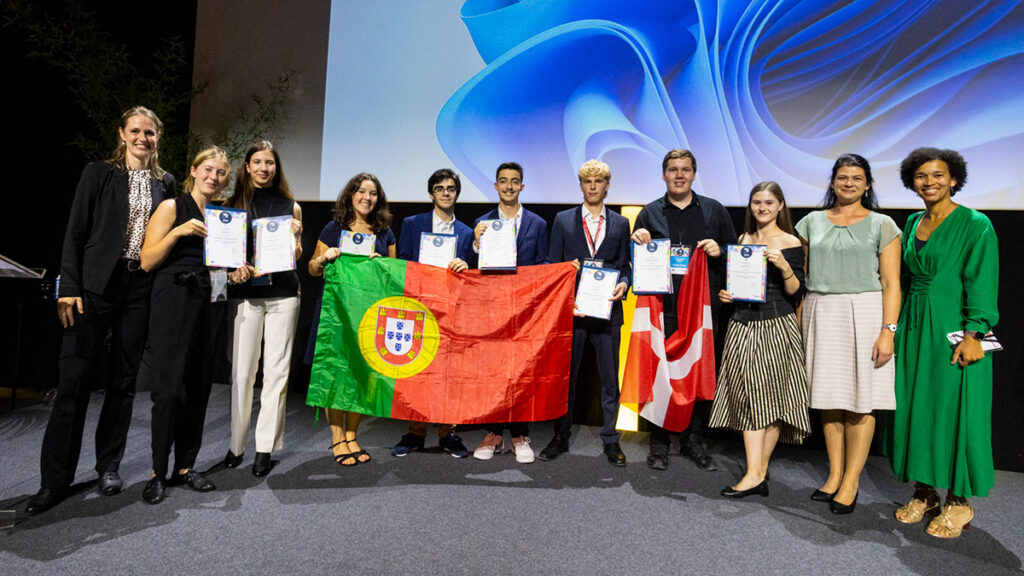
(97, 227)
(569, 242)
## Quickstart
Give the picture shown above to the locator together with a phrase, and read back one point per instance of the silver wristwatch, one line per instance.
(890, 327)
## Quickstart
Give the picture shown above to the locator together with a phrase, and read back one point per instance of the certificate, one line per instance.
(679, 259)
(746, 272)
(988, 341)
(274, 244)
(498, 245)
(224, 245)
(651, 274)
(437, 249)
(594, 294)
(357, 243)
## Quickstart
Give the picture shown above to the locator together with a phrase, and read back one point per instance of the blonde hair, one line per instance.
(595, 169)
(118, 159)
(209, 153)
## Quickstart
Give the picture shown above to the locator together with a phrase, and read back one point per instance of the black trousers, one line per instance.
(514, 428)
(178, 363)
(123, 311)
(604, 338)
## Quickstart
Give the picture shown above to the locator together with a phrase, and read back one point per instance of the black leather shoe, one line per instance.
(232, 461)
(554, 449)
(819, 496)
(195, 481)
(697, 451)
(657, 458)
(614, 453)
(45, 499)
(838, 508)
(730, 492)
(110, 483)
(261, 466)
(155, 490)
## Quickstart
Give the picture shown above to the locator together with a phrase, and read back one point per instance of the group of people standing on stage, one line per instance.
(844, 328)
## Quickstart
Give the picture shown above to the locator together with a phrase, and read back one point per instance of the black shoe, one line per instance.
(614, 453)
(697, 451)
(554, 449)
(110, 483)
(45, 499)
(261, 466)
(819, 496)
(155, 490)
(453, 445)
(232, 461)
(838, 508)
(762, 489)
(409, 443)
(657, 458)
(195, 481)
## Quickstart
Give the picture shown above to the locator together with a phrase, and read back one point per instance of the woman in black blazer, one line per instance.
(102, 288)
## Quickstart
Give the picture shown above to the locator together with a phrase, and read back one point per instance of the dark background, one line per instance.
(41, 121)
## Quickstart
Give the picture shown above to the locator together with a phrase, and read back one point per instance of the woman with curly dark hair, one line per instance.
(942, 432)
(361, 207)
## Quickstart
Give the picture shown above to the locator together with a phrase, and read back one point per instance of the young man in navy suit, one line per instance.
(531, 248)
(592, 234)
(444, 187)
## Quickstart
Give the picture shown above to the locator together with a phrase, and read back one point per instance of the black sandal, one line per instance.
(344, 458)
(361, 452)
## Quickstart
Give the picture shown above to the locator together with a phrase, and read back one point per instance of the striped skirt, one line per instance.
(839, 332)
(762, 380)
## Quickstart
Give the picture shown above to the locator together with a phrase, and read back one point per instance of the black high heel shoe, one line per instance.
(822, 496)
(762, 489)
(838, 508)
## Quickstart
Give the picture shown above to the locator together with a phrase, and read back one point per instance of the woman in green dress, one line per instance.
(942, 434)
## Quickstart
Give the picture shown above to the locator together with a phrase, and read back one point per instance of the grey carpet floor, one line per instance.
(428, 513)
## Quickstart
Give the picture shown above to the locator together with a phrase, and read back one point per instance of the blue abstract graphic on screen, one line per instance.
(758, 90)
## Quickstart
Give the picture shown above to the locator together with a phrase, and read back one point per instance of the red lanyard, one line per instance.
(590, 239)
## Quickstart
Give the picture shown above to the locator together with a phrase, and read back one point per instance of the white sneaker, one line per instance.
(521, 446)
(491, 443)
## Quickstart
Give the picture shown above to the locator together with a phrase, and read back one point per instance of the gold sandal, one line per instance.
(951, 522)
(913, 512)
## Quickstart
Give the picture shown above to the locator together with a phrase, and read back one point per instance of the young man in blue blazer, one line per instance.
(531, 249)
(444, 187)
(592, 234)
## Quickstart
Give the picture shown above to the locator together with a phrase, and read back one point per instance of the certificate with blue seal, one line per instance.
(746, 272)
(437, 249)
(651, 271)
(595, 290)
(357, 243)
(498, 245)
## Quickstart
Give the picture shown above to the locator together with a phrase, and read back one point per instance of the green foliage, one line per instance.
(262, 122)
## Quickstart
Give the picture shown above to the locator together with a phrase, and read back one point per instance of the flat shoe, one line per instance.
(45, 499)
(195, 481)
(155, 490)
(730, 492)
(261, 466)
(110, 483)
(232, 461)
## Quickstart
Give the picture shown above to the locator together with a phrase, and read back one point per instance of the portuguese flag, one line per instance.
(405, 340)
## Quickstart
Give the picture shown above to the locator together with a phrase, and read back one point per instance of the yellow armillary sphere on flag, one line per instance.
(398, 336)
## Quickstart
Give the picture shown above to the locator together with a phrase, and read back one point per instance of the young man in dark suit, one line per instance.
(592, 234)
(531, 249)
(444, 187)
(702, 223)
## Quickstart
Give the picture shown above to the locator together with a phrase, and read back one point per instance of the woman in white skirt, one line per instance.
(849, 322)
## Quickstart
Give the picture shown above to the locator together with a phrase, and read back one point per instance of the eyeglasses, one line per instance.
(441, 189)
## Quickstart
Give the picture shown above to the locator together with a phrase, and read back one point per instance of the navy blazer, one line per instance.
(532, 240)
(569, 242)
(97, 227)
(412, 226)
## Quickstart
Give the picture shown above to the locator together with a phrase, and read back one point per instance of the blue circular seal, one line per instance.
(746, 251)
(599, 275)
(438, 241)
(225, 217)
(496, 225)
(357, 238)
(272, 226)
(652, 247)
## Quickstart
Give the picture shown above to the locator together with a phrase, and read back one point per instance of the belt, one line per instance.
(131, 265)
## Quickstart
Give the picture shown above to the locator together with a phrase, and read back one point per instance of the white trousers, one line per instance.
(272, 321)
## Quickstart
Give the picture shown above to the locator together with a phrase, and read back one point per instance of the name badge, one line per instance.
(593, 263)
(218, 284)
(679, 259)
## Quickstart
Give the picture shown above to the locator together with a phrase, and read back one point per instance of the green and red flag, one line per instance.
(404, 340)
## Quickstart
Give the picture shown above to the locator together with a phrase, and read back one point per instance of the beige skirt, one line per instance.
(839, 333)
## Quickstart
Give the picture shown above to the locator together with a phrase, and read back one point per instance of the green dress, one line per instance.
(942, 426)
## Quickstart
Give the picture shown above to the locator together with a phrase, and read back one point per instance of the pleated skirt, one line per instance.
(762, 380)
(839, 333)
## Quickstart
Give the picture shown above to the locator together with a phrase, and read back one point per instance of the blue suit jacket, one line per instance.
(409, 237)
(569, 242)
(532, 241)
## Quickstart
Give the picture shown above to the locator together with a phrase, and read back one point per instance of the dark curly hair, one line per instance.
(954, 161)
(868, 200)
(345, 214)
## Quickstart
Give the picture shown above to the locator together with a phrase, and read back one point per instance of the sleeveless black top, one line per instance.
(187, 253)
(267, 202)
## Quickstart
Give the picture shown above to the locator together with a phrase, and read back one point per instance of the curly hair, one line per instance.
(345, 214)
(868, 200)
(917, 158)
